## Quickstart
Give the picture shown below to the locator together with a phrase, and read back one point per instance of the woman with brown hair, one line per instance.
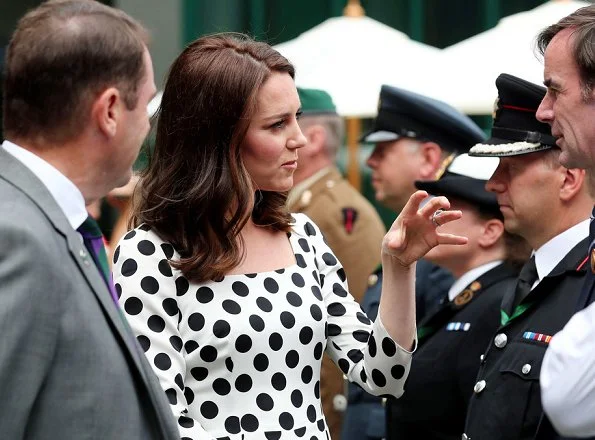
(232, 298)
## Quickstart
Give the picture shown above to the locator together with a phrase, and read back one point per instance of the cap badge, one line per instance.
(444, 165)
(496, 107)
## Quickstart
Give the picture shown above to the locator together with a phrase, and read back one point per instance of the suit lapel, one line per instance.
(14, 172)
(437, 320)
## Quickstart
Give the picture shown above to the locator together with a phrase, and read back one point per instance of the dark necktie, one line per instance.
(527, 278)
(93, 240)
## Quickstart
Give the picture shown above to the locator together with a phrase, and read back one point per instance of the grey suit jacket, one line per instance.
(69, 366)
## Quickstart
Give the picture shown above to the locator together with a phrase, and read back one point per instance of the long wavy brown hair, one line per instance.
(196, 192)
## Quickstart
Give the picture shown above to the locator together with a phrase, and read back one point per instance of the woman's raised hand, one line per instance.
(414, 232)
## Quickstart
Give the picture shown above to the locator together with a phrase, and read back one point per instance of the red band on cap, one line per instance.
(521, 109)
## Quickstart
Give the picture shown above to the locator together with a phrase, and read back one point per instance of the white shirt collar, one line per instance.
(551, 253)
(468, 277)
(66, 194)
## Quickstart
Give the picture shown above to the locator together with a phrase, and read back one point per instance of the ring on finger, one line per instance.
(435, 217)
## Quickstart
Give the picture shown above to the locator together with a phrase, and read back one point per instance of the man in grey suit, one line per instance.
(78, 78)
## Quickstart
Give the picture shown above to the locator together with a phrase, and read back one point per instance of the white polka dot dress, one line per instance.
(240, 358)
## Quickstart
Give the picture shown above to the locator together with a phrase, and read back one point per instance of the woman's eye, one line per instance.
(278, 124)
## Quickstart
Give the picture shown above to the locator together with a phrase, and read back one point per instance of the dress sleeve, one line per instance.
(568, 378)
(148, 290)
(364, 351)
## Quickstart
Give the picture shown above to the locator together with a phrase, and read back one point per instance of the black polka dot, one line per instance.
(271, 285)
(372, 346)
(264, 402)
(189, 395)
(144, 227)
(304, 244)
(306, 335)
(355, 355)
(243, 343)
(133, 306)
(176, 342)
(398, 371)
(182, 286)
(204, 295)
(232, 425)
(190, 346)
(168, 250)
(179, 381)
(292, 358)
(221, 328)
(221, 387)
(129, 267)
(309, 229)
(378, 377)
(162, 361)
(229, 364)
(286, 421)
(264, 304)
(317, 389)
(156, 323)
(301, 431)
(318, 351)
(196, 322)
(165, 268)
(336, 309)
(273, 435)
(231, 307)
(171, 396)
(307, 374)
(341, 274)
(363, 376)
(249, 423)
(329, 259)
(321, 282)
(300, 261)
(240, 288)
(199, 373)
(287, 320)
(275, 341)
(297, 398)
(256, 322)
(170, 306)
(316, 312)
(339, 290)
(334, 330)
(298, 280)
(389, 347)
(343, 365)
(317, 293)
(363, 318)
(209, 410)
(116, 254)
(361, 335)
(118, 290)
(278, 381)
(294, 299)
(185, 422)
(144, 342)
(145, 247)
(208, 353)
(251, 275)
(149, 285)
(261, 362)
(320, 424)
(129, 235)
(311, 413)
(280, 271)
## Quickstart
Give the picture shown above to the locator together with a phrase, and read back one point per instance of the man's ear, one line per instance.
(106, 111)
(493, 229)
(316, 136)
(431, 155)
(571, 183)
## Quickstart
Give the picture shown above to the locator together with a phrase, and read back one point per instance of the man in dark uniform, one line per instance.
(350, 224)
(549, 206)
(416, 137)
(452, 338)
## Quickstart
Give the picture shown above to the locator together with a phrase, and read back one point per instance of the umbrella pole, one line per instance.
(354, 128)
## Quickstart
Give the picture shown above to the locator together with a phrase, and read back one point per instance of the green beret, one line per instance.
(316, 101)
